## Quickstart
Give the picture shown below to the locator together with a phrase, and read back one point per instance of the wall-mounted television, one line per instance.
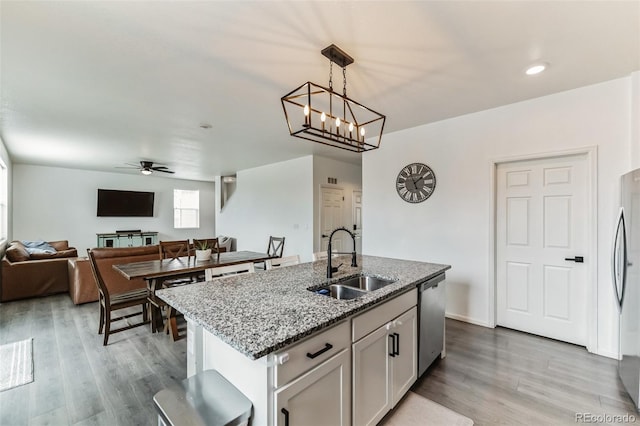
(116, 203)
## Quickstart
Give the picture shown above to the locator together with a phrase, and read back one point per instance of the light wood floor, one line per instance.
(493, 376)
(78, 381)
(501, 376)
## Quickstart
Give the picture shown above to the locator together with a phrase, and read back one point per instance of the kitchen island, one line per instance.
(251, 328)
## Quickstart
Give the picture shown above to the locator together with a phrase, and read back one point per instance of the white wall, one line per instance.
(634, 129)
(52, 203)
(7, 161)
(453, 226)
(349, 179)
(277, 200)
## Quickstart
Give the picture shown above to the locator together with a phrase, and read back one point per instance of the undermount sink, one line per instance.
(338, 291)
(366, 282)
(353, 287)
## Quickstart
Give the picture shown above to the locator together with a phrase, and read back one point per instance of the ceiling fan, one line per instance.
(147, 167)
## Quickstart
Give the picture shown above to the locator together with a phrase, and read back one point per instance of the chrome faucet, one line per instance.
(330, 269)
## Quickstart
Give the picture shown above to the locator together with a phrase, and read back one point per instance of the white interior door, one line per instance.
(331, 217)
(541, 222)
(357, 219)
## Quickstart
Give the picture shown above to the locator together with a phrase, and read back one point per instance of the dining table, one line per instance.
(156, 272)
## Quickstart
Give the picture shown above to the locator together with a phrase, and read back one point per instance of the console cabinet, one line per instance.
(127, 239)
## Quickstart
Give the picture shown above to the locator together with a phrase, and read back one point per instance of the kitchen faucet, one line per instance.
(331, 270)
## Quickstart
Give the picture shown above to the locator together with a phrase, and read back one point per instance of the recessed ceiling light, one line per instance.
(536, 69)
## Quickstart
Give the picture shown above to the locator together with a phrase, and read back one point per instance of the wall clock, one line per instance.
(415, 182)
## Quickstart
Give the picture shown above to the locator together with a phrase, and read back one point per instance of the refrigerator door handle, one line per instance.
(620, 233)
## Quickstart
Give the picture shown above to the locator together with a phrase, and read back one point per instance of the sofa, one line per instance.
(35, 274)
(82, 286)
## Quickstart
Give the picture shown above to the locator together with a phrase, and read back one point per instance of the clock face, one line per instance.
(415, 183)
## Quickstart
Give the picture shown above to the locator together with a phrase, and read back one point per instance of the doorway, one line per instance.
(356, 213)
(331, 217)
(544, 246)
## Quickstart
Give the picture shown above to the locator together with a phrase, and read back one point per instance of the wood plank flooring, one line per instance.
(77, 381)
(501, 376)
(494, 376)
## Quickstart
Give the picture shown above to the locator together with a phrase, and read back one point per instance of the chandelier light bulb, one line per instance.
(362, 131)
(351, 127)
(306, 115)
(323, 117)
(337, 121)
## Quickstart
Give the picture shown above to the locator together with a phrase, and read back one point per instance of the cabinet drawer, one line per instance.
(305, 355)
(367, 322)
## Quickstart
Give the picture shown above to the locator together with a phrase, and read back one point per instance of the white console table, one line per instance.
(127, 239)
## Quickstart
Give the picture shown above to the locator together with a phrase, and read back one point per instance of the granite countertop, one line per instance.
(259, 313)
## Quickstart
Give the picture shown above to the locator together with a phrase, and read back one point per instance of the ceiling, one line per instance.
(94, 85)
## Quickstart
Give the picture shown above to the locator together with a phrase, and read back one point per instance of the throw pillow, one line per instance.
(17, 252)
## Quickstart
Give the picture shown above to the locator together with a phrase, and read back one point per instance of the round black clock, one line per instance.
(415, 182)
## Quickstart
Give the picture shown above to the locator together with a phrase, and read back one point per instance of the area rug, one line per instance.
(415, 410)
(16, 364)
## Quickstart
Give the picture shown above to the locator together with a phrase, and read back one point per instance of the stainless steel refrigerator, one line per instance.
(626, 280)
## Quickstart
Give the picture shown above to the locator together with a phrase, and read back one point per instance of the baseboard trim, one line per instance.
(463, 318)
(467, 319)
(613, 355)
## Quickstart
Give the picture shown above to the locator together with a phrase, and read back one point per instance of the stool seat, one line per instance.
(205, 399)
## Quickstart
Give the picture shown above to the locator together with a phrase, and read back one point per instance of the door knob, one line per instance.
(577, 259)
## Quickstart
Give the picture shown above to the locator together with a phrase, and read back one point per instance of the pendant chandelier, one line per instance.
(320, 114)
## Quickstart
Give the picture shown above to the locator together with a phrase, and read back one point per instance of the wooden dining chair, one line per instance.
(322, 255)
(282, 261)
(111, 302)
(174, 249)
(224, 271)
(276, 246)
(211, 243)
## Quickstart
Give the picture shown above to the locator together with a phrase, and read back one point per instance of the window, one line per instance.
(4, 191)
(186, 208)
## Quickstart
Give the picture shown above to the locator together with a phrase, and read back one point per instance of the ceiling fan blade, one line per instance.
(159, 167)
(163, 171)
(126, 167)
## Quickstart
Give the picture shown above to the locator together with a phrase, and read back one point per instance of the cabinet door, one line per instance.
(320, 397)
(404, 366)
(135, 240)
(371, 396)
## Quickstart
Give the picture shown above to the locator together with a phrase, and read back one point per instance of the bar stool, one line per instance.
(205, 399)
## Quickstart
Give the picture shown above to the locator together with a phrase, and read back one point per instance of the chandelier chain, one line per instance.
(344, 81)
(330, 75)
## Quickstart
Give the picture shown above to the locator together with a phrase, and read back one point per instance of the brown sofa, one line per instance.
(25, 275)
(82, 286)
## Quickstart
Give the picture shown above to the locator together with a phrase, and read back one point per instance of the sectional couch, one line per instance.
(39, 274)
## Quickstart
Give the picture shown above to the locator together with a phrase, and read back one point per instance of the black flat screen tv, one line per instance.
(114, 203)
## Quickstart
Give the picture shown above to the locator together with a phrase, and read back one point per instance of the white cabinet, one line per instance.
(320, 397)
(404, 370)
(385, 365)
(371, 375)
(313, 380)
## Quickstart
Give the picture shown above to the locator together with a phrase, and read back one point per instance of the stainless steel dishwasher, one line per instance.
(431, 305)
